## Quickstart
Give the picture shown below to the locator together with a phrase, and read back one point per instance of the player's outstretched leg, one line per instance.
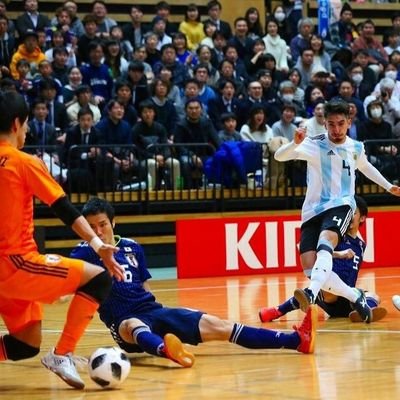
(175, 351)
(268, 314)
(302, 339)
(64, 367)
(396, 301)
(307, 330)
(362, 307)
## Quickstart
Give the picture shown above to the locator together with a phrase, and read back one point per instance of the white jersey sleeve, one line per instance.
(371, 172)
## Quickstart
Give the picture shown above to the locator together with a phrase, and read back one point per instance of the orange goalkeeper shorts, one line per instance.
(32, 279)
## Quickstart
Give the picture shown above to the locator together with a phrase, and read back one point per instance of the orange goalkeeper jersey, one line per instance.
(22, 177)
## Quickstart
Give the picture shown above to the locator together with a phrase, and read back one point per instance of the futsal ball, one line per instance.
(396, 301)
(109, 367)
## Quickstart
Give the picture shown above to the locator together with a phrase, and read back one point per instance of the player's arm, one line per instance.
(344, 254)
(288, 151)
(375, 176)
(146, 286)
(63, 208)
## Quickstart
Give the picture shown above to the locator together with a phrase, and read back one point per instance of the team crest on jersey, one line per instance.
(52, 259)
(132, 260)
(355, 156)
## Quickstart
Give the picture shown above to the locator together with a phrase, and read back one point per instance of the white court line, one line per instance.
(346, 331)
(282, 283)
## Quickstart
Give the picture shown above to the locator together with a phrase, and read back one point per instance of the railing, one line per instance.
(122, 175)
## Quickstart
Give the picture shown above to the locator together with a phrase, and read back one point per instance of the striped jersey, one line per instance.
(330, 172)
(347, 269)
(128, 296)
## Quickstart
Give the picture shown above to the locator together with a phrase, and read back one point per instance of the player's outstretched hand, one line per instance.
(395, 190)
(106, 252)
(344, 254)
(299, 135)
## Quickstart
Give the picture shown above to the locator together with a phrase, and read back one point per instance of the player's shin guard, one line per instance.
(13, 349)
(80, 313)
(336, 286)
(148, 341)
(322, 267)
(257, 338)
(81, 310)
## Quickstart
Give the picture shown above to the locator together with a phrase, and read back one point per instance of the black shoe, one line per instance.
(305, 297)
(362, 307)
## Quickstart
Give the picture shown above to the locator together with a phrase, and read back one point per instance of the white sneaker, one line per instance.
(64, 367)
(396, 301)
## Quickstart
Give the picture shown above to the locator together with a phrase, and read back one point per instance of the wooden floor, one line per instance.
(352, 361)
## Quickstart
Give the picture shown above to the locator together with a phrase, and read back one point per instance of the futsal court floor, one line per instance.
(351, 360)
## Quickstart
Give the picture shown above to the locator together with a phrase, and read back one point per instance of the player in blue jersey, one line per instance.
(332, 160)
(347, 260)
(138, 323)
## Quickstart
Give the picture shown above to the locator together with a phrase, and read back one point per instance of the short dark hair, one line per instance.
(47, 84)
(146, 104)
(85, 111)
(96, 206)
(59, 50)
(12, 106)
(213, 3)
(336, 107)
(120, 83)
(83, 89)
(37, 101)
(361, 205)
(163, 5)
(136, 66)
(89, 18)
(228, 115)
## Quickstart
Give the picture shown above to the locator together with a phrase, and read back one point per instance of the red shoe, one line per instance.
(307, 330)
(175, 351)
(269, 314)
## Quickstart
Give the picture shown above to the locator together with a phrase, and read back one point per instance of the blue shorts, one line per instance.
(341, 308)
(182, 322)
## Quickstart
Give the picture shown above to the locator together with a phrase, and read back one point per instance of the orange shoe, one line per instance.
(269, 314)
(377, 314)
(307, 330)
(175, 351)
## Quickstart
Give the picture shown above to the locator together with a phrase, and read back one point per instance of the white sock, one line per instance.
(321, 271)
(336, 286)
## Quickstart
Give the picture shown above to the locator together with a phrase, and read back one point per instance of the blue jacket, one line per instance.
(232, 162)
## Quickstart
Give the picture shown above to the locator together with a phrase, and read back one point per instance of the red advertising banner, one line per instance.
(268, 244)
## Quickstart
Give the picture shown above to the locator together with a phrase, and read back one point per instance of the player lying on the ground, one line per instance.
(138, 323)
(348, 257)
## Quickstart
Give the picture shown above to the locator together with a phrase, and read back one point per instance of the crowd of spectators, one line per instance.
(119, 88)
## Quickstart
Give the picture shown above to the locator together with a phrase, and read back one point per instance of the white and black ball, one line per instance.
(109, 367)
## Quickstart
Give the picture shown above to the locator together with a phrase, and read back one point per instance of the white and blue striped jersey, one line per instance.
(330, 172)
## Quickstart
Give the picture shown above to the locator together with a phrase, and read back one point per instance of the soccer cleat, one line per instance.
(175, 351)
(362, 307)
(377, 314)
(307, 330)
(305, 297)
(396, 301)
(269, 314)
(64, 367)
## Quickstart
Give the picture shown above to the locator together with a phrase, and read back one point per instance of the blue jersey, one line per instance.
(347, 269)
(128, 296)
